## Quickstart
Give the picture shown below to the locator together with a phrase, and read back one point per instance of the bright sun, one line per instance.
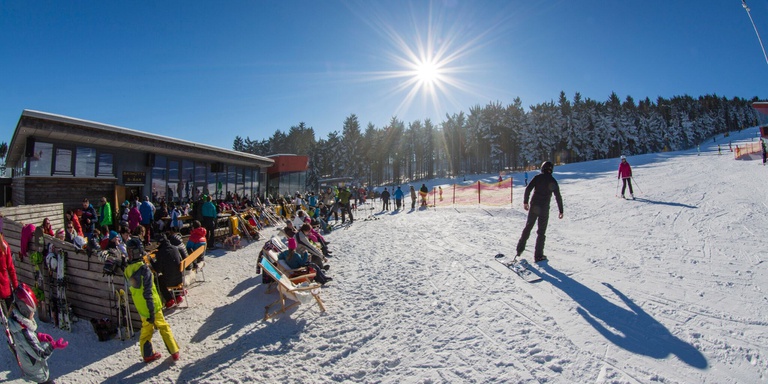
(427, 72)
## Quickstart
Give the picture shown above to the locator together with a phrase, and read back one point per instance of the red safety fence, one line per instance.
(743, 151)
(498, 194)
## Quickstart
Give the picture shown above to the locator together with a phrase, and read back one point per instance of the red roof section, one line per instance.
(288, 163)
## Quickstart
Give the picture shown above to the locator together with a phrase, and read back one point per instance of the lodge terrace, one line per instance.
(59, 159)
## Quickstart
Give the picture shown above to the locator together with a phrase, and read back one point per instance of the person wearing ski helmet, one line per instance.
(32, 349)
(625, 174)
(148, 304)
(543, 187)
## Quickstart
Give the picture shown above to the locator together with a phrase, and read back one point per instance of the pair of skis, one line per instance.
(65, 320)
(124, 325)
(60, 310)
(520, 267)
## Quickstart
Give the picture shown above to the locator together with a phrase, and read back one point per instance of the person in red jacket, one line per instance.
(8, 279)
(625, 174)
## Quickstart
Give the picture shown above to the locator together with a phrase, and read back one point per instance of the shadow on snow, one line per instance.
(633, 330)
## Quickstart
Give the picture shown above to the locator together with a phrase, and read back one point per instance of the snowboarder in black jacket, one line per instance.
(543, 186)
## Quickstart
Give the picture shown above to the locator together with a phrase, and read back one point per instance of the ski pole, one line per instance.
(637, 185)
(617, 188)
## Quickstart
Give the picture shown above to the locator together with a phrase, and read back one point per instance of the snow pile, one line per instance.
(666, 288)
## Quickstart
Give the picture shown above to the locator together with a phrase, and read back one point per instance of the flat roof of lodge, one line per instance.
(42, 126)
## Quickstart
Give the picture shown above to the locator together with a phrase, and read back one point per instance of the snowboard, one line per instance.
(520, 267)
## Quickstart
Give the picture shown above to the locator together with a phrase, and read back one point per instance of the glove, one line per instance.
(59, 344)
(44, 337)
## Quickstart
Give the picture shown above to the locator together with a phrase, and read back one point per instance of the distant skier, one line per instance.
(543, 186)
(398, 198)
(625, 174)
(385, 200)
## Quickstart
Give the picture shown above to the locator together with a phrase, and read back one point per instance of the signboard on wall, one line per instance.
(134, 178)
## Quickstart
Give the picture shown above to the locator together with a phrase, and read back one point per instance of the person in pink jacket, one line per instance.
(134, 217)
(8, 279)
(625, 174)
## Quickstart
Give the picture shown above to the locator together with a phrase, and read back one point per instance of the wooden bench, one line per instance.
(181, 289)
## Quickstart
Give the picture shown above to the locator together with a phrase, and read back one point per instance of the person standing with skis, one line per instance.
(543, 186)
(625, 174)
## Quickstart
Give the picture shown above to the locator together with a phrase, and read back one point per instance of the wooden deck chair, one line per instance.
(288, 290)
(297, 275)
(181, 289)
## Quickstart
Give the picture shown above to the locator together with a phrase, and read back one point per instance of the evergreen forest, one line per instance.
(496, 138)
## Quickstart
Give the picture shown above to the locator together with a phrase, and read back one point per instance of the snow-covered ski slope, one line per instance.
(668, 288)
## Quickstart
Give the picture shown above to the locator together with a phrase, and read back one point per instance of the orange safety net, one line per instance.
(498, 194)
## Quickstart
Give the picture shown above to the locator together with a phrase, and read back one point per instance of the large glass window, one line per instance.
(85, 162)
(158, 178)
(213, 185)
(231, 180)
(187, 178)
(248, 183)
(174, 182)
(201, 182)
(106, 165)
(63, 163)
(259, 179)
(40, 163)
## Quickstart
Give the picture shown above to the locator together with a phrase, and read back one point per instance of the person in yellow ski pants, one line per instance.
(148, 303)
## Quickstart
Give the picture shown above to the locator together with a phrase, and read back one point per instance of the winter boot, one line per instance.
(540, 258)
(153, 357)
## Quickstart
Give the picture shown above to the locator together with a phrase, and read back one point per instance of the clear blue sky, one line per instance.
(207, 71)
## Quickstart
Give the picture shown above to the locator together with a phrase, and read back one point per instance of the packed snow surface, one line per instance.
(667, 288)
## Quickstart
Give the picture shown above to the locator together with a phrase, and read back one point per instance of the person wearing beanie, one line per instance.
(543, 186)
(147, 302)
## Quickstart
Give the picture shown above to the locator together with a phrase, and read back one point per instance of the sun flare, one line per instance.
(428, 72)
(432, 68)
